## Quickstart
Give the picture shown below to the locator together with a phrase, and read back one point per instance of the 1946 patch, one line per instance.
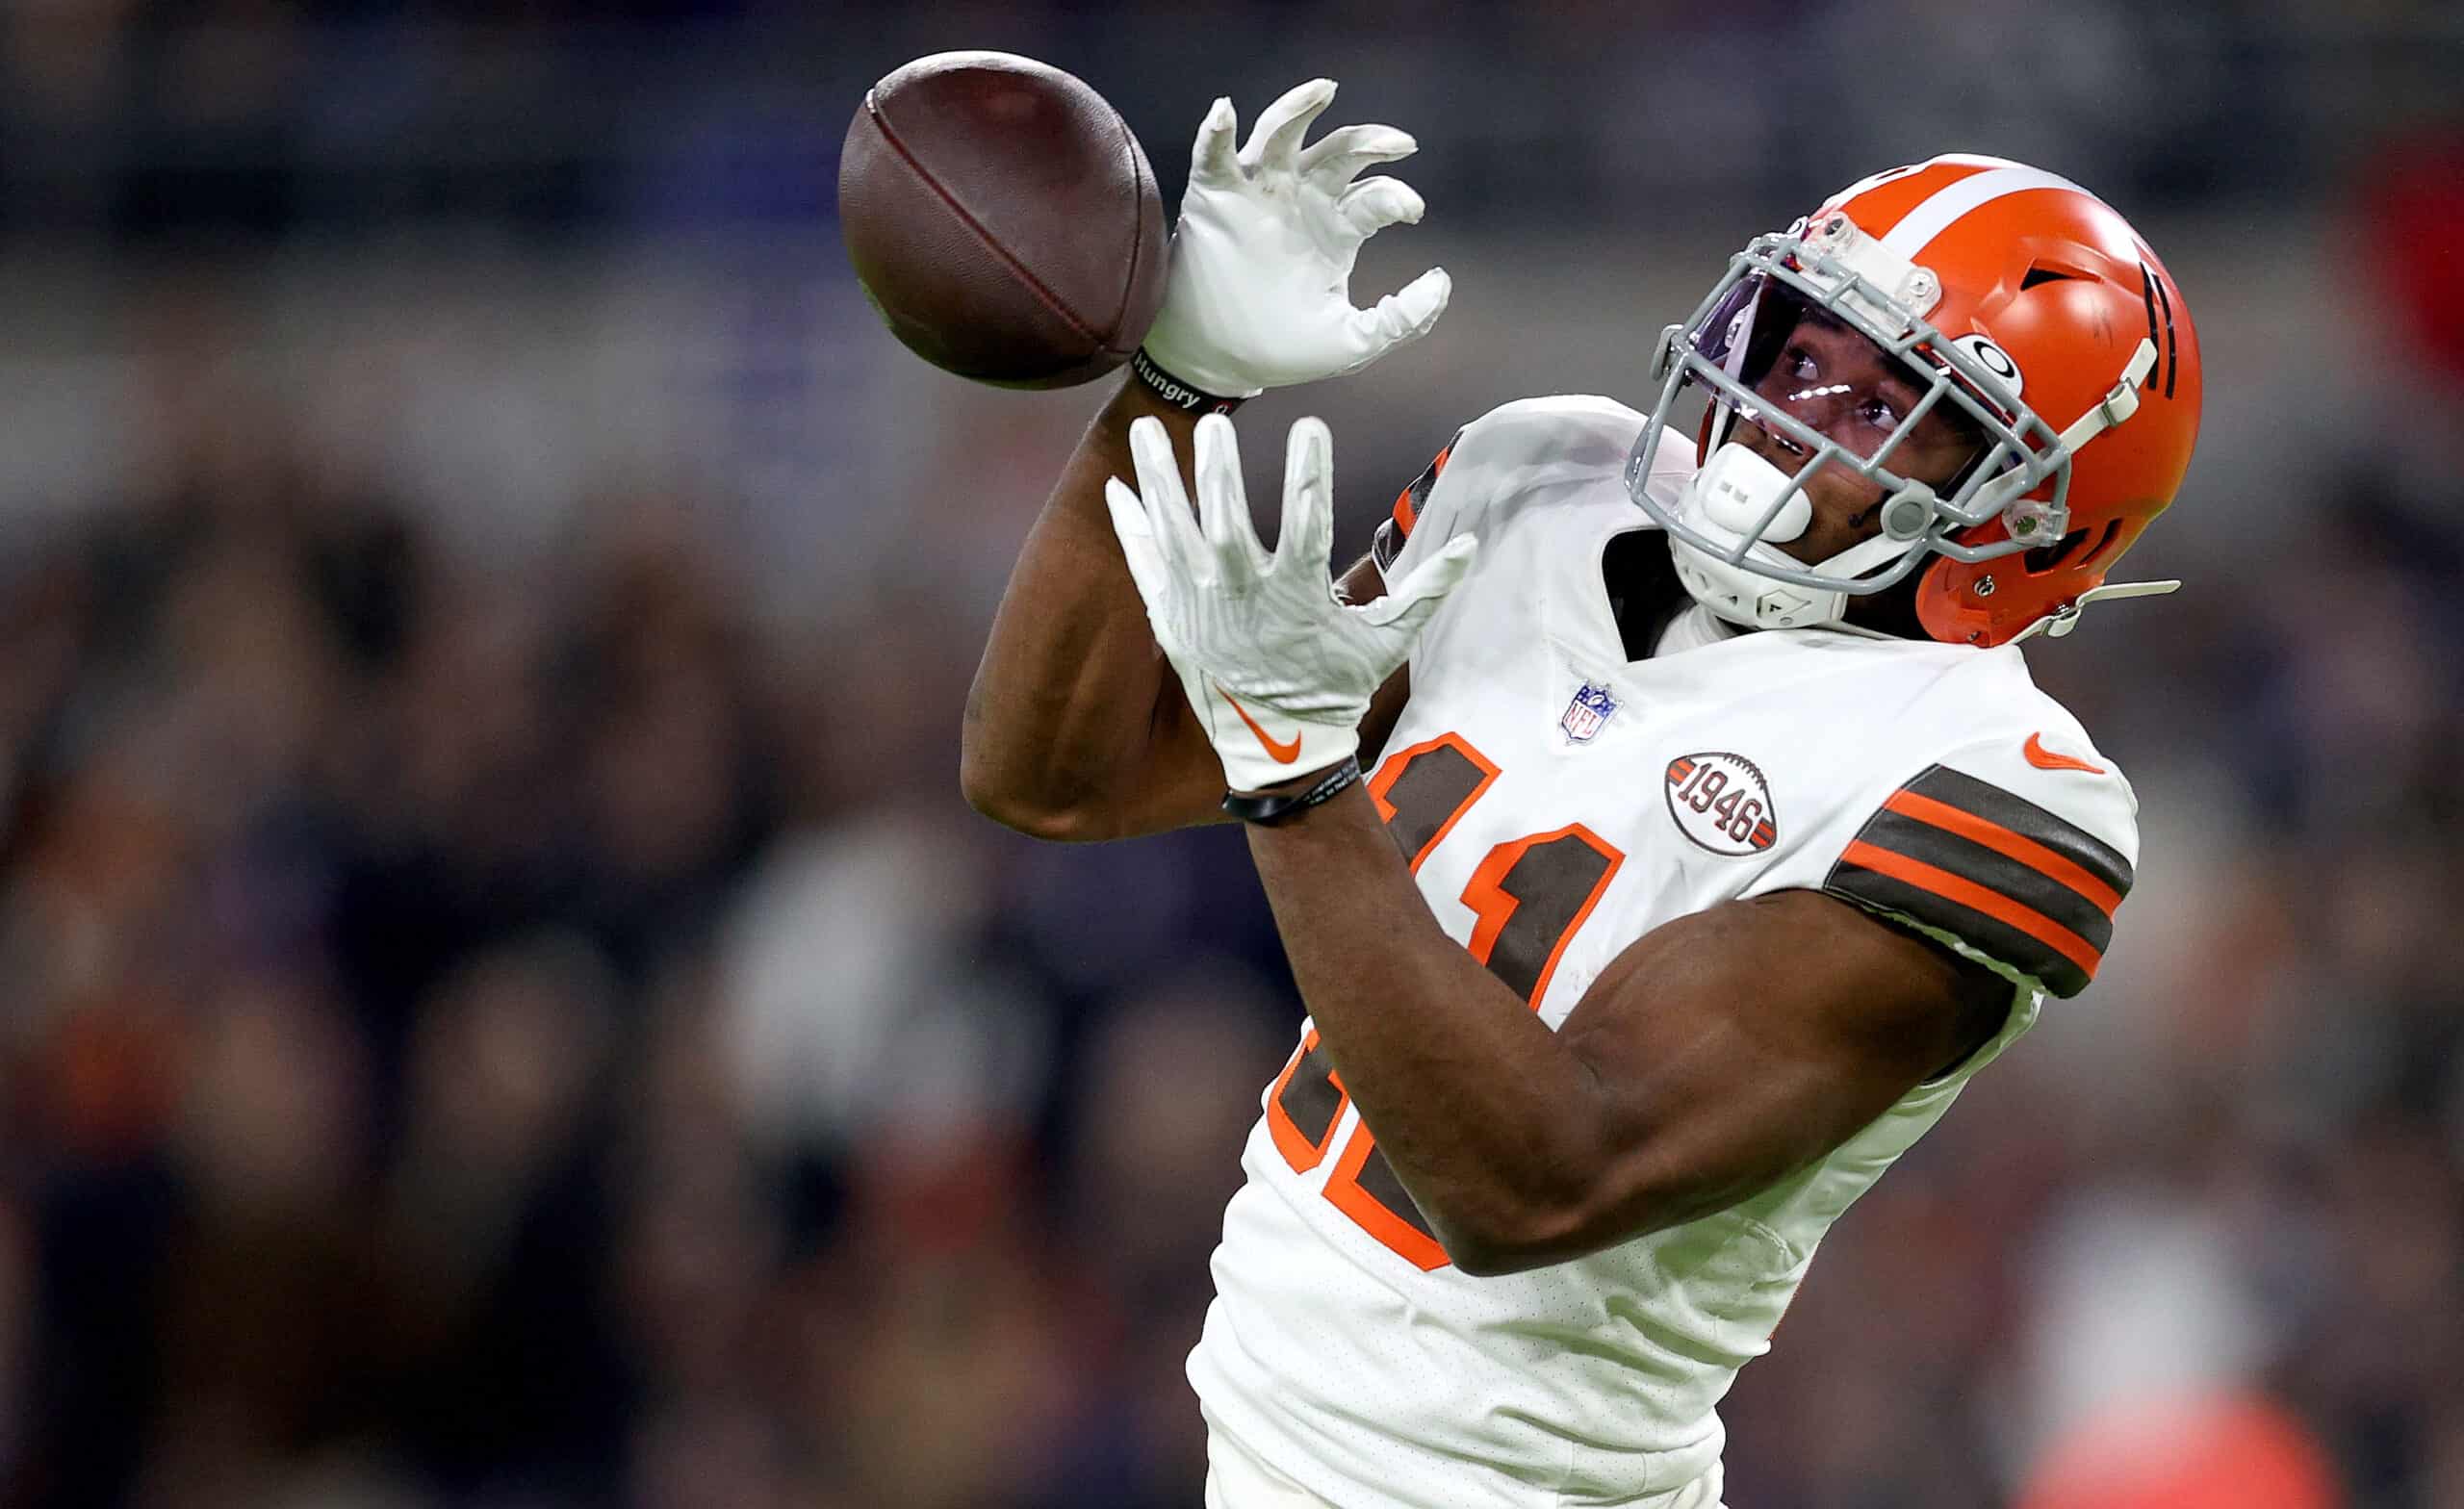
(1721, 802)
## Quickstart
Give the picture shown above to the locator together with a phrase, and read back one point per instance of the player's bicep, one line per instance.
(1735, 1045)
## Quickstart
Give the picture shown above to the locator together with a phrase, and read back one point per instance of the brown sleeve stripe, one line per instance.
(2027, 820)
(1989, 867)
(1408, 502)
(1385, 545)
(1989, 923)
(2027, 851)
(1975, 859)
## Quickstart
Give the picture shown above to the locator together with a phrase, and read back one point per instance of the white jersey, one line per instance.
(1557, 800)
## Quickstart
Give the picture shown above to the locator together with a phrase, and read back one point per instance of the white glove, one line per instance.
(1279, 672)
(1259, 293)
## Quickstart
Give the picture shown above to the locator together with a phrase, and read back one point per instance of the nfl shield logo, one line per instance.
(1584, 715)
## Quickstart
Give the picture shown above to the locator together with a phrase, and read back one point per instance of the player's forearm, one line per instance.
(1497, 1129)
(1070, 724)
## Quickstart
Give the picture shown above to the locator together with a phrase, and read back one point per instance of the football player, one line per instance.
(1662, 823)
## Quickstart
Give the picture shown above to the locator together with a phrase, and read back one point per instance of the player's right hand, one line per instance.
(1259, 294)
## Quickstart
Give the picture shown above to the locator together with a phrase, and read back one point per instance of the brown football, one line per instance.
(1003, 219)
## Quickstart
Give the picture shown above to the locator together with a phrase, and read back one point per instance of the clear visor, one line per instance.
(1737, 333)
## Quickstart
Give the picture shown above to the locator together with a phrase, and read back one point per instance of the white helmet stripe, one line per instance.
(1934, 214)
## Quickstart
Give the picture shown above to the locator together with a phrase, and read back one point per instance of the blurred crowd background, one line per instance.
(501, 1003)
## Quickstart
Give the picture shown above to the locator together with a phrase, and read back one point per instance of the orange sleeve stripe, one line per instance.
(1976, 898)
(2002, 841)
(1407, 511)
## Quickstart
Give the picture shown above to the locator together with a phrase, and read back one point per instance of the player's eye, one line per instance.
(1801, 364)
(1880, 413)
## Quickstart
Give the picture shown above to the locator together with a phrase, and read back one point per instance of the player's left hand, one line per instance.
(1278, 670)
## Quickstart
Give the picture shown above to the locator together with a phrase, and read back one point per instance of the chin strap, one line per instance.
(2062, 620)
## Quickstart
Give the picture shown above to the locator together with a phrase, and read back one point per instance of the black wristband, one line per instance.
(1272, 809)
(1176, 392)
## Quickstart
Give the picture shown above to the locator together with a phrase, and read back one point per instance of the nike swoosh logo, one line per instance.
(2043, 758)
(1282, 753)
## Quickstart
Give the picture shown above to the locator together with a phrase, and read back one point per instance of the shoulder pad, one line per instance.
(1564, 432)
(1525, 444)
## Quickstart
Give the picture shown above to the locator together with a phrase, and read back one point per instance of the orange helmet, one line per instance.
(2019, 301)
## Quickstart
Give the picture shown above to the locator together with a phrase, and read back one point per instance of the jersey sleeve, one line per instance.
(1497, 462)
(1395, 532)
(2023, 866)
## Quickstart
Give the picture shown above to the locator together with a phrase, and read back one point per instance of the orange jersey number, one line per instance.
(1529, 895)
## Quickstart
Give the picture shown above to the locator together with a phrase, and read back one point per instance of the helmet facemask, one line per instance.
(1727, 521)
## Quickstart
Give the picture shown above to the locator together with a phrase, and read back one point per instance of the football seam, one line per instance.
(1137, 227)
(1034, 284)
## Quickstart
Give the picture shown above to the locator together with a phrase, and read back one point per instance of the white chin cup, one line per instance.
(1739, 487)
(1722, 503)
